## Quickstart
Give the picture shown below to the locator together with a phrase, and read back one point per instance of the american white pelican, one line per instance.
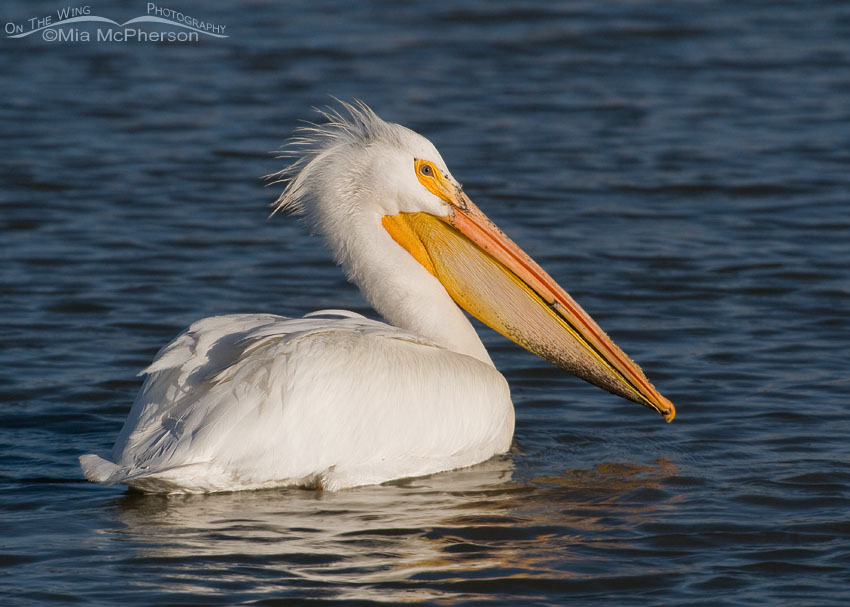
(335, 400)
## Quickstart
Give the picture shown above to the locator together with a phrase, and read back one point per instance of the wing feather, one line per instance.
(259, 400)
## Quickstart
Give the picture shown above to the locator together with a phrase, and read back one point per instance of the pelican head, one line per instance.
(413, 241)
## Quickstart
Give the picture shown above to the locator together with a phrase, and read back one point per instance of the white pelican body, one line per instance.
(251, 401)
(333, 399)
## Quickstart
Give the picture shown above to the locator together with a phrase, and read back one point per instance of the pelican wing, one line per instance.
(262, 400)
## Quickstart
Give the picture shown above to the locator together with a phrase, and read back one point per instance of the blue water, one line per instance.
(683, 169)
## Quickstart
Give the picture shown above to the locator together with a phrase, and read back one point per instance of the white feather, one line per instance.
(243, 402)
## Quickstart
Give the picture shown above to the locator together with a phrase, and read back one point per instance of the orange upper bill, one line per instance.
(495, 281)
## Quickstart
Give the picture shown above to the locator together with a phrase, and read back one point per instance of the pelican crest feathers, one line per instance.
(351, 124)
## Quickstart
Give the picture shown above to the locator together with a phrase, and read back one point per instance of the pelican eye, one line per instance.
(434, 181)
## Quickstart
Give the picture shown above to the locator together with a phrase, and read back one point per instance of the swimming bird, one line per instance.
(334, 399)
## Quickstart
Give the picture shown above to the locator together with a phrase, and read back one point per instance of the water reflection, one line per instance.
(401, 538)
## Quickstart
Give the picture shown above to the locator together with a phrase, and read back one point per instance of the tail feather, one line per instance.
(189, 478)
(99, 470)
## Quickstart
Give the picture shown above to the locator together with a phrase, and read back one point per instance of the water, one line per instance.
(681, 168)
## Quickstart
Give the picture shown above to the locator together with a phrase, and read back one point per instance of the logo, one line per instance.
(74, 24)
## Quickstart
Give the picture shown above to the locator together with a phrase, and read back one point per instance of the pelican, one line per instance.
(335, 400)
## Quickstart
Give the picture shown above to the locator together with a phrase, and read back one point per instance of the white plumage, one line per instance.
(334, 399)
(251, 401)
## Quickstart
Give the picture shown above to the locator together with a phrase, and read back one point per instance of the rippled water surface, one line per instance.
(682, 168)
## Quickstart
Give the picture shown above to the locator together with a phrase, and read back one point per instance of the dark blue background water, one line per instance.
(682, 168)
